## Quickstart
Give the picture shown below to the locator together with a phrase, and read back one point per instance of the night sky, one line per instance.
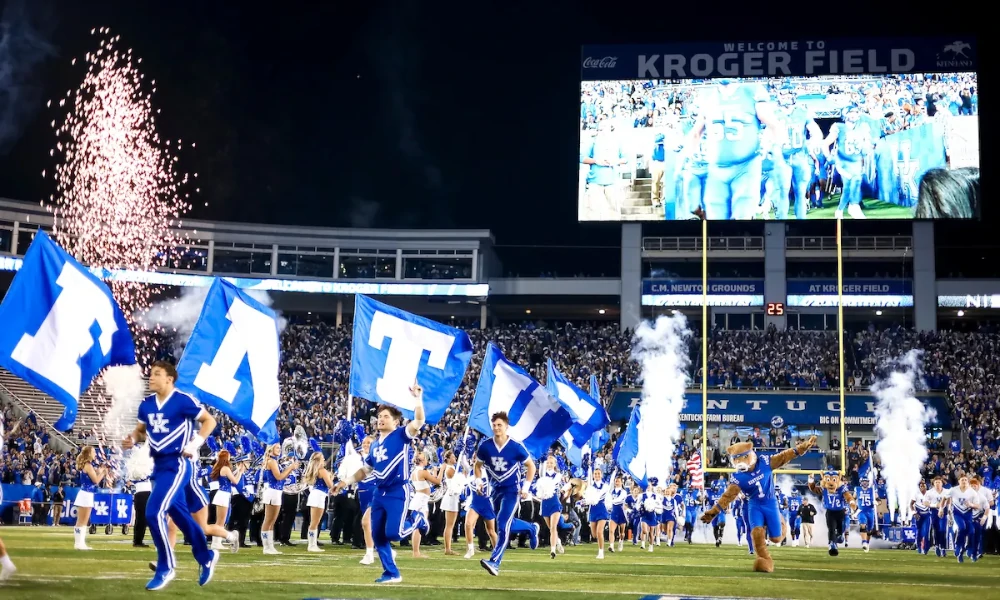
(389, 114)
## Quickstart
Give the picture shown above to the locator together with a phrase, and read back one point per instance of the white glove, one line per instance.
(192, 447)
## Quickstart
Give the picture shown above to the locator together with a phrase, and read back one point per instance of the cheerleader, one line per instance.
(651, 505)
(274, 480)
(366, 491)
(617, 515)
(7, 567)
(479, 504)
(451, 500)
(223, 475)
(598, 515)
(90, 478)
(669, 514)
(421, 478)
(964, 502)
(549, 480)
(633, 512)
(922, 520)
(320, 482)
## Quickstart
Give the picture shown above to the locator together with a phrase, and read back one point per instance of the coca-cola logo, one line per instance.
(608, 62)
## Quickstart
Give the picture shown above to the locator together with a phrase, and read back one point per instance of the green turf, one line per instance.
(874, 209)
(50, 568)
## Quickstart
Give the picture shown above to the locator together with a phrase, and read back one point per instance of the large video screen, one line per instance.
(887, 146)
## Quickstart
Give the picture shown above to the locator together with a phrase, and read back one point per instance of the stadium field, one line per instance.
(48, 567)
(874, 209)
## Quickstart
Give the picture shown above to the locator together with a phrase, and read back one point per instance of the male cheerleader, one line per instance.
(964, 502)
(865, 498)
(732, 117)
(502, 457)
(922, 519)
(389, 460)
(937, 499)
(979, 517)
(166, 419)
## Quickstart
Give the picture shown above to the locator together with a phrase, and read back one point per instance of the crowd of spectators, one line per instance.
(317, 359)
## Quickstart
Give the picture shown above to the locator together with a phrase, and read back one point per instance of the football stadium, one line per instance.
(800, 404)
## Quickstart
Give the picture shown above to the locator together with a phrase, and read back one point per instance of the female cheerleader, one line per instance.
(421, 478)
(7, 567)
(617, 516)
(222, 472)
(651, 505)
(90, 479)
(670, 503)
(320, 482)
(548, 488)
(450, 501)
(274, 478)
(479, 504)
(366, 491)
(598, 515)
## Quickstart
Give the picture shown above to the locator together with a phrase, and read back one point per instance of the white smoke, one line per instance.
(177, 317)
(661, 351)
(126, 386)
(900, 422)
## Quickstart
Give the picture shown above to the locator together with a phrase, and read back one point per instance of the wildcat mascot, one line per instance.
(754, 477)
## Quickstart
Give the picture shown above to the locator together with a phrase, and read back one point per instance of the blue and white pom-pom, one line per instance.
(139, 464)
(343, 431)
(350, 465)
(545, 488)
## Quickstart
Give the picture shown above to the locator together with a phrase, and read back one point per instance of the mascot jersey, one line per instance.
(835, 500)
(758, 483)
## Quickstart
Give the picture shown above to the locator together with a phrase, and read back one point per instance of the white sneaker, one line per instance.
(470, 552)
(233, 539)
(642, 544)
(315, 548)
(621, 546)
(216, 543)
(838, 214)
(7, 571)
(795, 543)
(368, 558)
(600, 554)
(855, 211)
(650, 547)
(559, 548)
(271, 550)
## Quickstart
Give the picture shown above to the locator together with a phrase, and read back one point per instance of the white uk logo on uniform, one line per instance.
(499, 464)
(159, 424)
(381, 454)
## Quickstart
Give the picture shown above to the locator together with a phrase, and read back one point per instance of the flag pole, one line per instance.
(704, 338)
(840, 333)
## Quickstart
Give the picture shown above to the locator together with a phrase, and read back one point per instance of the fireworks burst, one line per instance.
(119, 197)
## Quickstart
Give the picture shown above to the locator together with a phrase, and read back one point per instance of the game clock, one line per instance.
(775, 309)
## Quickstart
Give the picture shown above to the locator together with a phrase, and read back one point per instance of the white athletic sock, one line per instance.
(265, 538)
(80, 536)
(6, 562)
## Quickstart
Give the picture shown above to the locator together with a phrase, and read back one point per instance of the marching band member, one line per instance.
(223, 475)
(90, 478)
(451, 499)
(501, 458)
(274, 480)
(421, 478)
(242, 500)
(617, 515)
(547, 490)
(598, 514)
(389, 461)
(320, 482)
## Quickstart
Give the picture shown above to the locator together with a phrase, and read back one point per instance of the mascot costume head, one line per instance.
(768, 518)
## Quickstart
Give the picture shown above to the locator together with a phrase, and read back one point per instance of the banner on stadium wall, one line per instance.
(779, 58)
(688, 292)
(853, 286)
(775, 408)
(109, 508)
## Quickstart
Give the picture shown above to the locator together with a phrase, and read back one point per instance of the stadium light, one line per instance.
(878, 313)
(527, 311)
(961, 313)
(601, 311)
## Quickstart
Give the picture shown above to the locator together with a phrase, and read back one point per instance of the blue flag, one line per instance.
(868, 470)
(60, 326)
(628, 451)
(231, 361)
(393, 348)
(537, 418)
(588, 414)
